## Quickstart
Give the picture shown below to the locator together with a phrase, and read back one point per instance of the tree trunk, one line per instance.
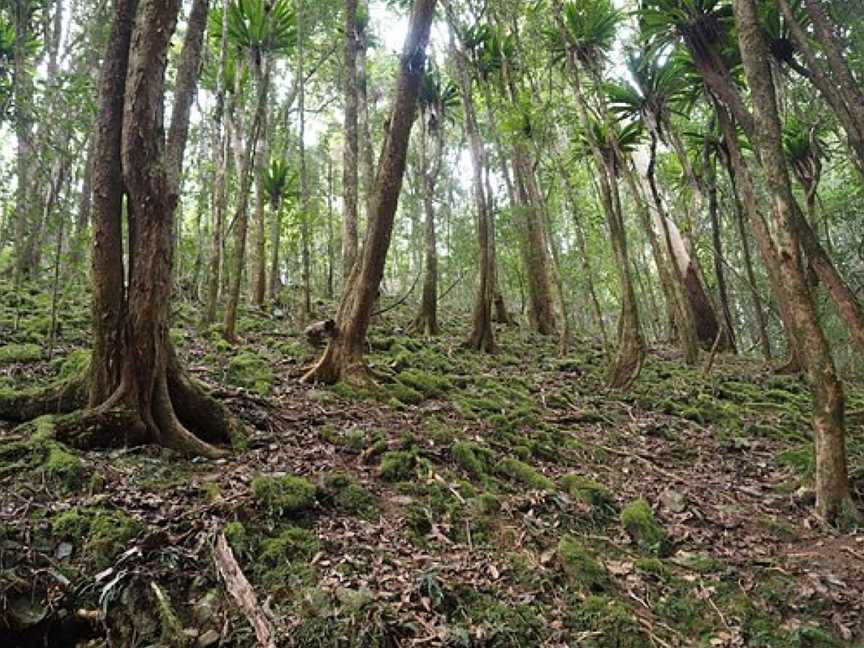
(350, 152)
(343, 357)
(133, 364)
(259, 259)
(185, 86)
(711, 182)
(220, 177)
(23, 93)
(832, 485)
(764, 339)
(246, 157)
(304, 181)
(426, 322)
(366, 148)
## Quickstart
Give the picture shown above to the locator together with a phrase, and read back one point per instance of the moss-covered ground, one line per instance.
(466, 500)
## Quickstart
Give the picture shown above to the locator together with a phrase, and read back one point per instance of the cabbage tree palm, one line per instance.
(648, 98)
(584, 31)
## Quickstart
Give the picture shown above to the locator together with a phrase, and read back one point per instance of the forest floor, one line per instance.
(470, 500)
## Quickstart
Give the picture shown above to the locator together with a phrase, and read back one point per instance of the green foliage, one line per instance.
(347, 495)
(288, 495)
(63, 467)
(291, 544)
(472, 457)
(606, 623)
(639, 522)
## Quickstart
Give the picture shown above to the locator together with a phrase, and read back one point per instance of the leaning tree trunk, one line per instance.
(351, 147)
(711, 180)
(259, 270)
(832, 484)
(343, 357)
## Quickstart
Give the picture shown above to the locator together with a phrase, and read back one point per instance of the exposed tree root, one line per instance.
(58, 398)
(180, 405)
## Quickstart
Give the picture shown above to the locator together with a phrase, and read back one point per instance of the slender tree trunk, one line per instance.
(758, 308)
(330, 254)
(426, 321)
(711, 182)
(259, 258)
(246, 158)
(220, 177)
(832, 484)
(350, 152)
(185, 86)
(366, 148)
(23, 92)
(304, 181)
(343, 357)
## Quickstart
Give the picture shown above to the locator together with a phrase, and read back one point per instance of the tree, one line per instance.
(343, 358)
(135, 385)
(832, 484)
(350, 152)
(437, 99)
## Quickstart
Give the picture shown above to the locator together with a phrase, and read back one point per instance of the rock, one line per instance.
(207, 639)
(673, 501)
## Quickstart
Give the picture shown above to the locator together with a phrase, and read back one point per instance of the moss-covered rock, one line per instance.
(642, 527)
(428, 384)
(63, 467)
(606, 623)
(250, 371)
(525, 474)
(582, 569)
(292, 543)
(397, 465)
(287, 495)
(105, 533)
(20, 353)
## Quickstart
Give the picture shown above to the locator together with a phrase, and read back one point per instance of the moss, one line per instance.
(427, 384)
(522, 472)
(74, 364)
(291, 544)
(584, 489)
(654, 567)
(472, 457)
(643, 528)
(605, 623)
(237, 537)
(63, 467)
(402, 393)
(20, 353)
(347, 495)
(801, 459)
(288, 495)
(501, 623)
(397, 465)
(581, 567)
(73, 524)
(486, 504)
(250, 371)
(110, 532)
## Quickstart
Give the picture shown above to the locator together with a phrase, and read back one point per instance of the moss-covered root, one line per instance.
(58, 398)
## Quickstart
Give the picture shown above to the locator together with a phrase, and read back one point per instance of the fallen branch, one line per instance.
(240, 589)
(400, 301)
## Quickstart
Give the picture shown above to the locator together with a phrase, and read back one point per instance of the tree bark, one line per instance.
(350, 151)
(832, 485)
(711, 182)
(185, 86)
(23, 92)
(220, 177)
(426, 322)
(343, 357)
